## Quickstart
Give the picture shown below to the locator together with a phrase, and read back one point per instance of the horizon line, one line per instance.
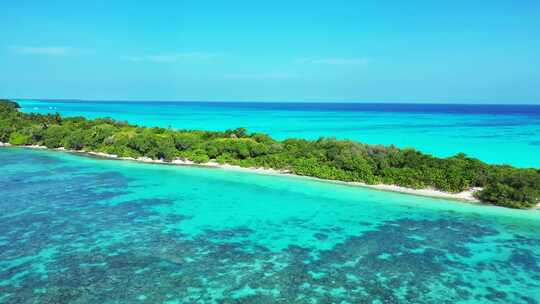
(278, 101)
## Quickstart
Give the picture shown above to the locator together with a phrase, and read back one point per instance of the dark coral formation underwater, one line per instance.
(69, 234)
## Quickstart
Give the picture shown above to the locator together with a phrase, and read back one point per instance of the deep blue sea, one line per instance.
(76, 229)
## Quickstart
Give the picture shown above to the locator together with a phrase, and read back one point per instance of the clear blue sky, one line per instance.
(367, 51)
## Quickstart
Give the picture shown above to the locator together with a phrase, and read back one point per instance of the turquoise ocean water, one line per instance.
(494, 133)
(76, 229)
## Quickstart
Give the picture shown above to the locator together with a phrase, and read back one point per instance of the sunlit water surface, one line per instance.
(79, 230)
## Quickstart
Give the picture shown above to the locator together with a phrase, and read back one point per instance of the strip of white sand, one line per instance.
(467, 196)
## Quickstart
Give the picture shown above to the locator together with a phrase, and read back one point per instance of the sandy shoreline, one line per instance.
(467, 196)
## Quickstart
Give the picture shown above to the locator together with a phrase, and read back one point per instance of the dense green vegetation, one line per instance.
(325, 158)
(10, 103)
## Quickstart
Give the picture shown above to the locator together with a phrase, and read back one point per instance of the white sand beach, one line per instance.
(466, 196)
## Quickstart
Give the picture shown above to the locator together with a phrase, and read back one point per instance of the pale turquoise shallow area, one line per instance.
(75, 229)
(494, 133)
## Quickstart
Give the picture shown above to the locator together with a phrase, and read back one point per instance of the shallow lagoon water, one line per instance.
(75, 229)
(502, 134)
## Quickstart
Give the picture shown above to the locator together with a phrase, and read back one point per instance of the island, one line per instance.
(376, 166)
